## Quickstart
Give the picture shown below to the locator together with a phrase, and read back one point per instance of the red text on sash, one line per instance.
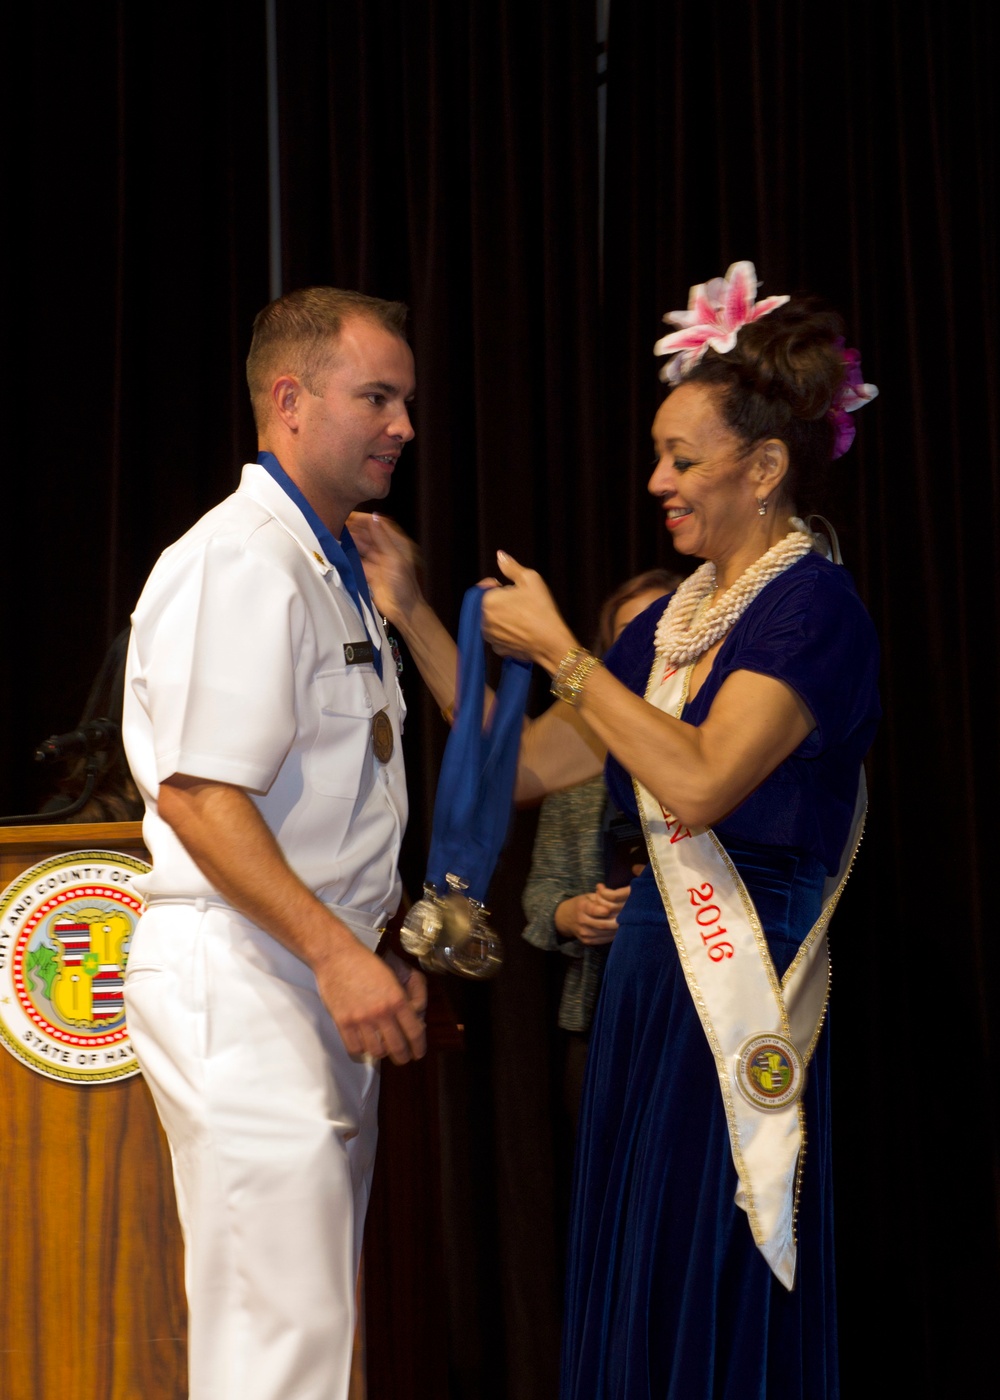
(707, 914)
(676, 830)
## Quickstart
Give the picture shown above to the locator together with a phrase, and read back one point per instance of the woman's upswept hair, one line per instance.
(779, 381)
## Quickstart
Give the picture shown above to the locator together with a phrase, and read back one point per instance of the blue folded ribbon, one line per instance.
(476, 786)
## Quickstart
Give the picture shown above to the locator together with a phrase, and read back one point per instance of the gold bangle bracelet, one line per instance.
(572, 675)
(566, 665)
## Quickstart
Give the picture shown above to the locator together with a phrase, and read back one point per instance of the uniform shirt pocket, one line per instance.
(343, 738)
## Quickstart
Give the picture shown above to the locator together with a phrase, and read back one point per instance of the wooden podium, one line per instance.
(91, 1277)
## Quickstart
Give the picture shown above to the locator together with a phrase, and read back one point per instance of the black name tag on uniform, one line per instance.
(359, 653)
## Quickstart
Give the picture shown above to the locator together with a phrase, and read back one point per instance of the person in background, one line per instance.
(115, 797)
(584, 858)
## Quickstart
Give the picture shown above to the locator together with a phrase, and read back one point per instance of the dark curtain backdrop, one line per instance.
(135, 257)
(446, 153)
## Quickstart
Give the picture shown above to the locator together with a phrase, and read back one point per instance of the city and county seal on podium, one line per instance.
(65, 929)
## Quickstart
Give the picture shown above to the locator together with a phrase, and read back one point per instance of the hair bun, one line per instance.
(794, 355)
(781, 380)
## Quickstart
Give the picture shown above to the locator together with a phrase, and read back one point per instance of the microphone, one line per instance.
(93, 737)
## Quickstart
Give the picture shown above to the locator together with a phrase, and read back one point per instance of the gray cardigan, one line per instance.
(568, 860)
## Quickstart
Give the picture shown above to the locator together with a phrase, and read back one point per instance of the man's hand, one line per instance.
(591, 918)
(375, 1010)
(376, 1006)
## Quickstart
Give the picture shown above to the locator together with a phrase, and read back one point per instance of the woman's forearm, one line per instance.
(557, 749)
(697, 773)
(433, 650)
(554, 754)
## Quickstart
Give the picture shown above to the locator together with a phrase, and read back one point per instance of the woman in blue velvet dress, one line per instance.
(668, 1296)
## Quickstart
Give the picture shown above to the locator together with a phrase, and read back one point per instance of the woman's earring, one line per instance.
(761, 505)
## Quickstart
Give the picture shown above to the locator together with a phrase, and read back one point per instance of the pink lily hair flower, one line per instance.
(853, 394)
(716, 312)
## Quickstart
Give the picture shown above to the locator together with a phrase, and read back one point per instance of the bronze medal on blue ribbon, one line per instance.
(449, 928)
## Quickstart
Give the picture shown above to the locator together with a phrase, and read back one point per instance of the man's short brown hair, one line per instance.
(298, 332)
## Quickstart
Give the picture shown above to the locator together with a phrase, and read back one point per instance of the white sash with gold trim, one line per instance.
(762, 1031)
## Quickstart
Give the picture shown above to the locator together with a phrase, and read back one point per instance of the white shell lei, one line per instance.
(688, 628)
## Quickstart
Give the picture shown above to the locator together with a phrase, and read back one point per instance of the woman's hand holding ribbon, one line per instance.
(522, 620)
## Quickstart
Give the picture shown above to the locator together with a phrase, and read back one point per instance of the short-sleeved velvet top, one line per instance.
(808, 628)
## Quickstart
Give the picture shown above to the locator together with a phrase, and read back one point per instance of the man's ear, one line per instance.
(286, 399)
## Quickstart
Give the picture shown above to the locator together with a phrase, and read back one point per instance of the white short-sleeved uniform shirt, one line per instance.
(237, 673)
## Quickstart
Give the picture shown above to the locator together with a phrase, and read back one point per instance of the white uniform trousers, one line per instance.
(272, 1132)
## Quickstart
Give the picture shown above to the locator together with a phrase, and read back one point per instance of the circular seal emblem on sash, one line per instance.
(65, 929)
(770, 1072)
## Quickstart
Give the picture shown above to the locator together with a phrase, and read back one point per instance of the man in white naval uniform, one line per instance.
(262, 723)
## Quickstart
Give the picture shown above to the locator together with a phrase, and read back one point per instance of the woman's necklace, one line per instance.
(691, 623)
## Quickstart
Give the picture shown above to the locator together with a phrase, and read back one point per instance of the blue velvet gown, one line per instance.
(668, 1298)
